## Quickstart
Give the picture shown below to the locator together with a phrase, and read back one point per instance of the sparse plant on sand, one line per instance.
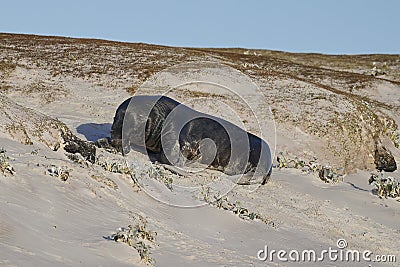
(5, 166)
(137, 236)
(104, 180)
(222, 202)
(78, 158)
(377, 70)
(329, 175)
(6, 67)
(326, 173)
(158, 173)
(35, 152)
(390, 128)
(385, 186)
(395, 137)
(61, 173)
(152, 171)
(113, 165)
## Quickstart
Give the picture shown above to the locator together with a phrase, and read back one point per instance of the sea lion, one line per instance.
(175, 134)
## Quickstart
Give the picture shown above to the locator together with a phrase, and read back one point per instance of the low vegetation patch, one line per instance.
(138, 236)
(222, 202)
(104, 180)
(7, 67)
(326, 173)
(61, 172)
(113, 165)
(377, 69)
(159, 173)
(385, 186)
(391, 131)
(154, 172)
(5, 165)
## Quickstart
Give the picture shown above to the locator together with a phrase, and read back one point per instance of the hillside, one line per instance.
(339, 109)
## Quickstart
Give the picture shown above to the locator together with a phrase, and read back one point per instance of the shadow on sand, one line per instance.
(94, 131)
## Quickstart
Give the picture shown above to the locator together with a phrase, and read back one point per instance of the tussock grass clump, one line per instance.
(385, 186)
(138, 236)
(5, 165)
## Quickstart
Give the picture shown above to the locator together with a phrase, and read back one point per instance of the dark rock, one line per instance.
(103, 142)
(73, 144)
(108, 144)
(384, 159)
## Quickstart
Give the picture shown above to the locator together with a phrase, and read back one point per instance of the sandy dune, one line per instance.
(323, 106)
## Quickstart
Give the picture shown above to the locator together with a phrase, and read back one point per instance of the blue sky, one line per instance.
(334, 27)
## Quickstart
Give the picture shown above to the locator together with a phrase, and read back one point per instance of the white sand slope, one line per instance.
(46, 222)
